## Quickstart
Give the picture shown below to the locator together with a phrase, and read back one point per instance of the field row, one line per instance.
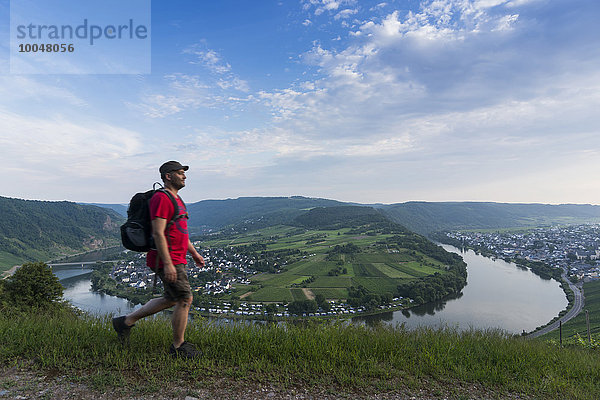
(375, 266)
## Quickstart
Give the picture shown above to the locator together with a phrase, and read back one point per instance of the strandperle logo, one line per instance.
(80, 36)
(86, 31)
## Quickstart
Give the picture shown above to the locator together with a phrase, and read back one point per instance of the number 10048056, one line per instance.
(46, 48)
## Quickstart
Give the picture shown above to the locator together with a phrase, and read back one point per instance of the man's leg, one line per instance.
(151, 307)
(179, 320)
(124, 323)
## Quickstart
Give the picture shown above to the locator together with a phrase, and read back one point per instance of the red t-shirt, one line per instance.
(161, 206)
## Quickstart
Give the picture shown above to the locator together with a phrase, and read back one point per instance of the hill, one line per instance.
(426, 218)
(32, 230)
(120, 209)
(250, 212)
(339, 217)
(339, 253)
(422, 217)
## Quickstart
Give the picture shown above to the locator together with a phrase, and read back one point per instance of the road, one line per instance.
(572, 313)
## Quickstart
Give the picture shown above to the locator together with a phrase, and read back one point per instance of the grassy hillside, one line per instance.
(39, 230)
(322, 361)
(578, 324)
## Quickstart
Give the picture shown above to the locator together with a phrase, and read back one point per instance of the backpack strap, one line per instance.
(176, 215)
(174, 218)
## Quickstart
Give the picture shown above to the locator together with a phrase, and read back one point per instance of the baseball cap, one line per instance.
(171, 166)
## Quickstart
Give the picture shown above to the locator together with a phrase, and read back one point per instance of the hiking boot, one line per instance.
(123, 330)
(186, 350)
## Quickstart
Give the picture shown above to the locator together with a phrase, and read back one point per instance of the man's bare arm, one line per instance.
(198, 259)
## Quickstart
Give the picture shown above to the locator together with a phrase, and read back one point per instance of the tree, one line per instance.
(300, 307)
(33, 285)
(271, 308)
(320, 299)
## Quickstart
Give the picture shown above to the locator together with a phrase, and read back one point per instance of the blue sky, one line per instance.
(366, 101)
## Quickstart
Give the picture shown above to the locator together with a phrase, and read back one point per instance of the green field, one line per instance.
(375, 266)
(578, 324)
(7, 261)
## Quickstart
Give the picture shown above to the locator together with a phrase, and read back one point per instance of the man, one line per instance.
(168, 261)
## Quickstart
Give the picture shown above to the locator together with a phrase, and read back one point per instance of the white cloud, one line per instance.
(192, 91)
(344, 14)
(185, 92)
(519, 3)
(459, 87)
(59, 158)
(322, 6)
(209, 59)
(19, 87)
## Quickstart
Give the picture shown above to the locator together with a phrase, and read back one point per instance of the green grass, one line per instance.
(331, 293)
(343, 358)
(7, 261)
(273, 295)
(578, 324)
(391, 271)
(298, 294)
(331, 282)
(367, 269)
(377, 285)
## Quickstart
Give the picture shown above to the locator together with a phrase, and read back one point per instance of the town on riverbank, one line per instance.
(574, 249)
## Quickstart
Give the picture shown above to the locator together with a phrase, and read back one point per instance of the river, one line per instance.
(497, 295)
(77, 284)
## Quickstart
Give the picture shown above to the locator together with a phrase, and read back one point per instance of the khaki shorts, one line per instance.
(178, 290)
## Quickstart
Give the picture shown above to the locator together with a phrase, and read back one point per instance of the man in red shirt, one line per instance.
(168, 261)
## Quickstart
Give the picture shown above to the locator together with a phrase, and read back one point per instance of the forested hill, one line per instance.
(252, 212)
(426, 218)
(422, 217)
(32, 230)
(339, 217)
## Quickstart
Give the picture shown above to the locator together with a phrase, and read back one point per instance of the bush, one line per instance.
(32, 285)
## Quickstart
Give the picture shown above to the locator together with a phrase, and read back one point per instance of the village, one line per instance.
(224, 269)
(575, 249)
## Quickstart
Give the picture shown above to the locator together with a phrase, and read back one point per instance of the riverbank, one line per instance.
(573, 294)
(576, 303)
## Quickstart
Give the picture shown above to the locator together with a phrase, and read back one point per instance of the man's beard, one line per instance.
(178, 184)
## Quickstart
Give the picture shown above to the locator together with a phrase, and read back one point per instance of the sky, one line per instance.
(361, 101)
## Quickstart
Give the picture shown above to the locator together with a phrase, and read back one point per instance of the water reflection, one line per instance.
(498, 295)
(78, 291)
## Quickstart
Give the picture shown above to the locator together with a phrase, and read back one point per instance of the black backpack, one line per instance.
(136, 232)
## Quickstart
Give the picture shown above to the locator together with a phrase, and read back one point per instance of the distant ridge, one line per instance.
(426, 217)
(337, 217)
(421, 217)
(252, 212)
(32, 230)
(121, 209)
(39, 230)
